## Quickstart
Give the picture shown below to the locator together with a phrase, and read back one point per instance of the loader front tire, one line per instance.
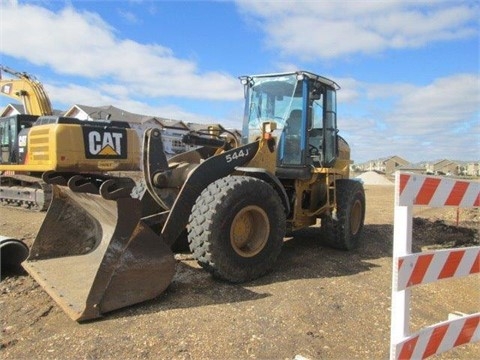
(236, 228)
(343, 229)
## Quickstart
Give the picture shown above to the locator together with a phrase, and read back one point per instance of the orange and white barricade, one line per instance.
(411, 269)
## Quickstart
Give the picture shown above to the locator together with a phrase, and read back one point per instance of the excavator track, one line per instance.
(26, 191)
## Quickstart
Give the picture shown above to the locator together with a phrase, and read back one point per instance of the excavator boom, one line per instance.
(26, 89)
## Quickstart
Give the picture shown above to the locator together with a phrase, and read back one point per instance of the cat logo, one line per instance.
(105, 144)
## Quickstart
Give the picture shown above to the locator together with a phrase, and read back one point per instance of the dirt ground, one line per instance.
(318, 303)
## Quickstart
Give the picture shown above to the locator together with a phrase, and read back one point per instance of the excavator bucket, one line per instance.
(94, 254)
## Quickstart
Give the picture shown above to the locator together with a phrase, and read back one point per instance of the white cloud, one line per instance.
(116, 95)
(438, 120)
(80, 43)
(377, 119)
(332, 29)
(445, 104)
(348, 92)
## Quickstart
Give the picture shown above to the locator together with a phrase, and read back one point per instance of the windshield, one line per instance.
(270, 99)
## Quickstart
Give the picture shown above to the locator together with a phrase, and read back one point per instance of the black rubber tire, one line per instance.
(215, 217)
(343, 231)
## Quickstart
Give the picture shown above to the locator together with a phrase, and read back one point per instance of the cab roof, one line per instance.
(307, 74)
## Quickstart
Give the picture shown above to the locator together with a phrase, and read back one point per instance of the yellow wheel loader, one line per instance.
(106, 243)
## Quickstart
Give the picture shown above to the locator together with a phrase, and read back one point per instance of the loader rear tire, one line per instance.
(343, 230)
(236, 228)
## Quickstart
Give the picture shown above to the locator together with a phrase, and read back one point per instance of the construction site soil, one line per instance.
(317, 303)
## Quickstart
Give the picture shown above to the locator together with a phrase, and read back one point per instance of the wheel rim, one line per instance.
(249, 231)
(356, 217)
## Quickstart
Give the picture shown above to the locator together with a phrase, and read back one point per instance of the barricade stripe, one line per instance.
(476, 265)
(435, 192)
(467, 331)
(440, 337)
(467, 265)
(442, 193)
(403, 182)
(410, 190)
(427, 191)
(453, 331)
(472, 196)
(422, 342)
(456, 195)
(421, 267)
(476, 334)
(435, 340)
(436, 266)
(407, 348)
(451, 265)
(414, 190)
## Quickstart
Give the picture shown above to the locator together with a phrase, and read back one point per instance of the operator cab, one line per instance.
(11, 144)
(303, 105)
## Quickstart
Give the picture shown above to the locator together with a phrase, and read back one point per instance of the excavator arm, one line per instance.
(28, 90)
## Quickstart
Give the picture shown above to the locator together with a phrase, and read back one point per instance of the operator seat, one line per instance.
(293, 135)
(294, 122)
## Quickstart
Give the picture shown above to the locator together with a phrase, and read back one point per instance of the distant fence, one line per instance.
(411, 269)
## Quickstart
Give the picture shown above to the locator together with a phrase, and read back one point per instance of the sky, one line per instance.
(409, 70)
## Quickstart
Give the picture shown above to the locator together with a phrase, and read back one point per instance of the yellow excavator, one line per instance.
(106, 244)
(38, 142)
(21, 186)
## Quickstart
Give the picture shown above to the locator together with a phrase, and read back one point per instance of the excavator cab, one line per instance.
(106, 242)
(10, 127)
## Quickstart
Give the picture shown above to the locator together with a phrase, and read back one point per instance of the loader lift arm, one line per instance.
(211, 169)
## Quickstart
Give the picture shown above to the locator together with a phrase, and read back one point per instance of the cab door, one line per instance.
(322, 129)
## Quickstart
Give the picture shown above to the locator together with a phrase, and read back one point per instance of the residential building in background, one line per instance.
(389, 165)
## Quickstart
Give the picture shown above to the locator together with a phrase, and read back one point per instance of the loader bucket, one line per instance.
(94, 255)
